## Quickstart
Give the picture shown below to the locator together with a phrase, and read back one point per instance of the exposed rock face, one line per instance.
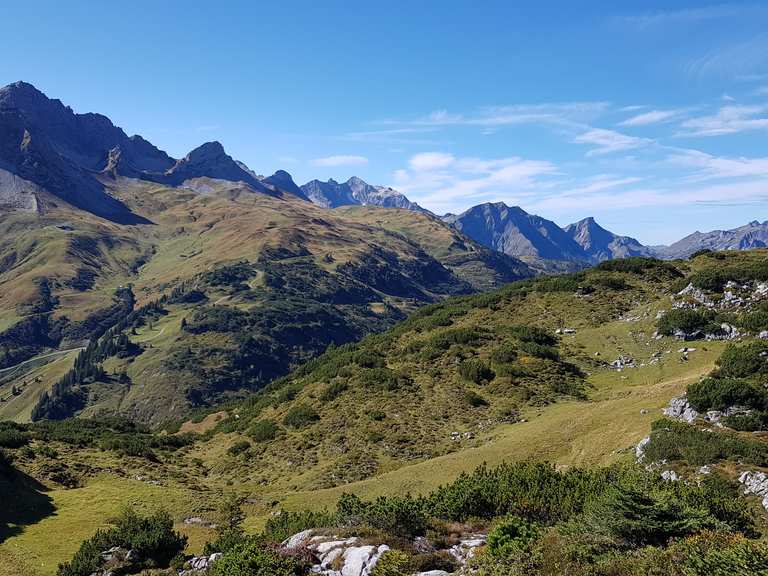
(749, 236)
(211, 161)
(355, 191)
(338, 556)
(85, 139)
(640, 448)
(17, 193)
(600, 244)
(200, 564)
(515, 232)
(349, 555)
(680, 409)
(282, 181)
(755, 483)
(69, 156)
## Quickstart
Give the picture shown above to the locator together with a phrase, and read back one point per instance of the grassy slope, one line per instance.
(600, 430)
(191, 234)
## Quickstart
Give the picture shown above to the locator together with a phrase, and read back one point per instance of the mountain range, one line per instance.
(49, 152)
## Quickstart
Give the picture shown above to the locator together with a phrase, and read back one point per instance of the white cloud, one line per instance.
(444, 182)
(740, 193)
(713, 167)
(431, 161)
(728, 120)
(340, 160)
(493, 116)
(608, 141)
(651, 117)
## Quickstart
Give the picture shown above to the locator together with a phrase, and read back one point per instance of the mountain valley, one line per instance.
(208, 371)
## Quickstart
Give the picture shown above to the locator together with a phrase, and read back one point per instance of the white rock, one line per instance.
(640, 448)
(297, 540)
(680, 409)
(670, 476)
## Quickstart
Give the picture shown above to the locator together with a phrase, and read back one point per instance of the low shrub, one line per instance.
(720, 393)
(263, 430)
(152, 537)
(511, 534)
(672, 440)
(743, 361)
(239, 447)
(688, 321)
(254, 558)
(300, 416)
(475, 371)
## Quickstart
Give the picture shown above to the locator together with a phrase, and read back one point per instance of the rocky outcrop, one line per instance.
(199, 564)
(755, 483)
(749, 236)
(281, 181)
(211, 161)
(680, 409)
(338, 556)
(352, 556)
(356, 192)
(600, 244)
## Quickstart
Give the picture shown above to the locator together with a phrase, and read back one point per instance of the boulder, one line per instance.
(680, 409)
(755, 483)
(640, 448)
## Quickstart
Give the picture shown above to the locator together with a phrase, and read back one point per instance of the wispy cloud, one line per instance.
(747, 58)
(687, 15)
(609, 141)
(340, 160)
(651, 117)
(207, 128)
(446, 182)
(494, 116)
(728, 120)
(708, 167)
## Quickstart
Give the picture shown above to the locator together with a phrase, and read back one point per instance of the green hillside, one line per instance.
(223, 292)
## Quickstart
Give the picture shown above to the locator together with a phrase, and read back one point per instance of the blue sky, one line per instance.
(650, 116)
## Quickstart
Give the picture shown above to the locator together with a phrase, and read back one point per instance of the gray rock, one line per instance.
(755, 483)
(640, 448)
(680, 409)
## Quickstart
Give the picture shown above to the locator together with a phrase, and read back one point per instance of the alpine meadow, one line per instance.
(311, 320)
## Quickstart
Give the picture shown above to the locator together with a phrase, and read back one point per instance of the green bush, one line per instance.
(300, 415)
(475, 400)
(393, 563)
(152, 537)
(672, 440)
(720, 393)
(638, 265)
(539, 350)
(475, 371)
(333, 391)
(263, 430)
(398, 515)
(511, 534)
(286, 524)
(752, 422)
(253, 558)
(384, 379)
(689, 321)
(532, 334)
(506, 353)
(754, 322)
(238, 447)
(13, 435)
(743, 361)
